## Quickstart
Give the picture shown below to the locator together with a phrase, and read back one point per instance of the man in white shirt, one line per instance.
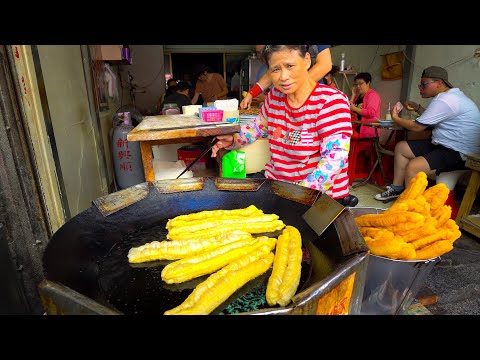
(455, 120)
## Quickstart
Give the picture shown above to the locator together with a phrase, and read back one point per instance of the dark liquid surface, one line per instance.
(138, 289)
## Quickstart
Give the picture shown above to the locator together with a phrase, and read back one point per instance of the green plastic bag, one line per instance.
(233, 165)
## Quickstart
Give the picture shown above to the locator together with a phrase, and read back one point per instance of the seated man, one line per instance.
(180, 96)
(455, 120)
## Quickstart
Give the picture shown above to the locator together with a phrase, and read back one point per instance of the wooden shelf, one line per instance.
(345, 74)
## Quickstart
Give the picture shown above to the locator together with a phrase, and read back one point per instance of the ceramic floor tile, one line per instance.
(366, 193)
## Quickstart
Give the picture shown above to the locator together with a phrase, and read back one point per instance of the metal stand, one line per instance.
(345, 75)
(379, 150)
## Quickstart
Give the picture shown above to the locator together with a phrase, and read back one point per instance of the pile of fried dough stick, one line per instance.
(220, 243)
(417, 226)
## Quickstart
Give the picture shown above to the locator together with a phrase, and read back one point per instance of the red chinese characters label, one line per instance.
(126, 166)
(122, 143)
(337, 301)
(124, 155)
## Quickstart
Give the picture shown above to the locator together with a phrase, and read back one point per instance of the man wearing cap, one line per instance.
(455, 122)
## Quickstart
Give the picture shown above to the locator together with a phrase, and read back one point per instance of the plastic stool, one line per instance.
(358, 168)
(450, 179)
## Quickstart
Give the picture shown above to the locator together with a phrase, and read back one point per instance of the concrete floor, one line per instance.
(455, 279)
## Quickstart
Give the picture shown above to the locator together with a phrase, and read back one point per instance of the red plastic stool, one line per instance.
(388, 165)
(451, 202)
(450, 179)
(358, 165)
(387, 162)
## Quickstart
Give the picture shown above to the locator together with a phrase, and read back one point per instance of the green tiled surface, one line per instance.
(417, 309)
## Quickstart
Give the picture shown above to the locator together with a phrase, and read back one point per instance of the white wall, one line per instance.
(82, 169)
(368, 58)
(148, 75)
(463, 69)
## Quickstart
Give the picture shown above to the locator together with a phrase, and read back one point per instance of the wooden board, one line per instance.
(168, 127)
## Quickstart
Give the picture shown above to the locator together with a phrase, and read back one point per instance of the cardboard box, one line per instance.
(108, 52)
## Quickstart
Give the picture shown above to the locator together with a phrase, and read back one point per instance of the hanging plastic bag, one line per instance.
(392, 66)
(233, 165)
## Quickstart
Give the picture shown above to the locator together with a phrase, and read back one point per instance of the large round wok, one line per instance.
(89, 253)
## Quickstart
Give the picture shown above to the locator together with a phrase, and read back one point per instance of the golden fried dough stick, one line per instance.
(210, 261)
(442, 215)
(248, 211)
(429, 227)
(389, 219)
(172, 250)
(218, 287)
(450, 224)
(397, 206)
(439, 234)
(454, 230)
(415, 187)
(418, 205)
(285, 277)
(434, 249)
(388, 245)
(403, 227)
(221, 221)
(436, 196)
(232, 218)
(252, 228)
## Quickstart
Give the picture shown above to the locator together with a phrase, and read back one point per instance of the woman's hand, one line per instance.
(245, 103)
(394, 111)
(354, 92)
(224, 141)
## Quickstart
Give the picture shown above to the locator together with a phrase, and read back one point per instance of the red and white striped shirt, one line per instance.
(309, 145)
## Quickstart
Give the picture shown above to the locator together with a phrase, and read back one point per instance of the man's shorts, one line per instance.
(439, 157)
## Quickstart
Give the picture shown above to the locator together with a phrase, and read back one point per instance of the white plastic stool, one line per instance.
(450, 178)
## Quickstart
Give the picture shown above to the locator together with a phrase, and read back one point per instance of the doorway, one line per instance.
(191, 64)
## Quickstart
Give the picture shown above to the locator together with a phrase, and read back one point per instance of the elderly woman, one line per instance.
(308, 126)
(365, 103)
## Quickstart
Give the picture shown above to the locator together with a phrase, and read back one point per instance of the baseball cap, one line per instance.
(437, 72)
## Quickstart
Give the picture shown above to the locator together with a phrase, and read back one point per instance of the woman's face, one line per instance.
(361, 86)
(289, 70)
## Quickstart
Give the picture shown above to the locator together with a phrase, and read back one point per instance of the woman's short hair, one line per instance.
(182, 85)
(203, 70)
(268, 50)
(364, 76)
(171, 82)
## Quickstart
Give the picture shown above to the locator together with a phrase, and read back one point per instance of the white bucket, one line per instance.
(257, 154)
(190, 109)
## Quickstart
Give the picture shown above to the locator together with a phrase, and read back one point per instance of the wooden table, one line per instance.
(173, 129)
(465, 221)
